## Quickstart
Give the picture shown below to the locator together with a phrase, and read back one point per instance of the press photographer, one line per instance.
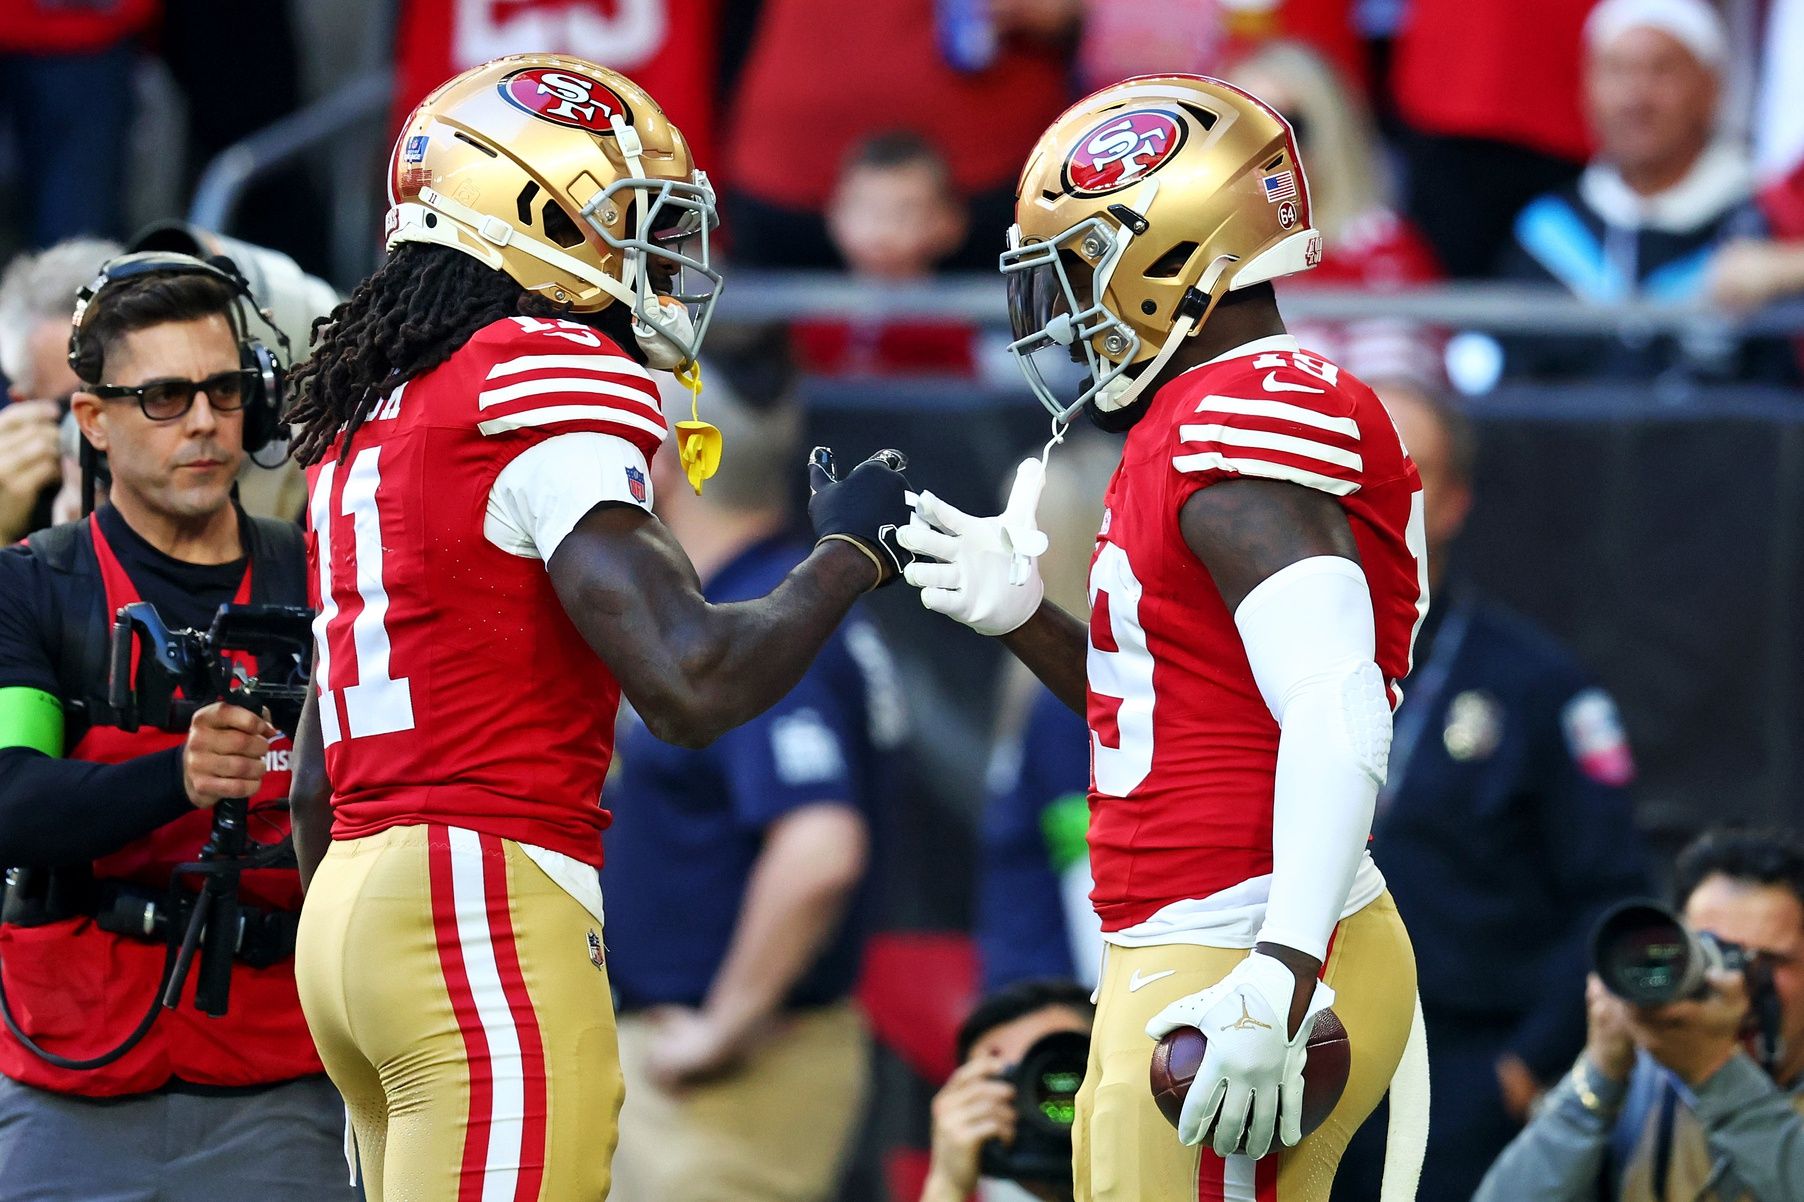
(1699, 1098)
(105, 1093)
(1005, 1113)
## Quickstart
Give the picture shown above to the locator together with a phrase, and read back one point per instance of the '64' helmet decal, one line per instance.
(1122, 149)
(565, 98)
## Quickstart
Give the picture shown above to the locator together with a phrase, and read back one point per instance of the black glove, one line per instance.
(866, 508)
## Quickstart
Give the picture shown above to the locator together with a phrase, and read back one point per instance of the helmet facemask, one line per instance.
(667, 271)
(1049, 315)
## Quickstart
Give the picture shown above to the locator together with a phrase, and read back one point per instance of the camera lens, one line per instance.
(1643, 954)
(1050, 1074)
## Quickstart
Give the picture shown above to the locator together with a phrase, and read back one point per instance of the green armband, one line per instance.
(31, 718)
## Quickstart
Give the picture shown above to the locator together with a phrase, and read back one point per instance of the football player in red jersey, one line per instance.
(479, 420)
(1255, 592)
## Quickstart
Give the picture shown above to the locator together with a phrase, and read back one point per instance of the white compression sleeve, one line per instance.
(1310, 639)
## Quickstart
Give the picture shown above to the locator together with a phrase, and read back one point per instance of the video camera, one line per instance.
(1645, 954)
(178, 673)
(1046, 1081)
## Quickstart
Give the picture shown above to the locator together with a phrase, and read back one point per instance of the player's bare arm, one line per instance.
(1244, 532)
(693, 670)
(1052, 644)
(309, 791)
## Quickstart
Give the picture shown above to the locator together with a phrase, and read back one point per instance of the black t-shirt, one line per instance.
(184, 594)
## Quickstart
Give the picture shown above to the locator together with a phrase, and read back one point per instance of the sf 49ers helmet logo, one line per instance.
(1122, 149)
(565, 98)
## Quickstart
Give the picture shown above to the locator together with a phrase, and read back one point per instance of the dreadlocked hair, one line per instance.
(408, 317)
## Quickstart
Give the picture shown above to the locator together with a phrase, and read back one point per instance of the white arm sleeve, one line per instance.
(546, 489)
(1309, 637)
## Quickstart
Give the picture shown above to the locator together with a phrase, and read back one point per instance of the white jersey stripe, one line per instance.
(1290, 444)
(1279, 411)
(1265, 468)
(561, 386)
(1239, 1179)
(609, 365)
(507, 1120)
(319, 507)
(552, 414)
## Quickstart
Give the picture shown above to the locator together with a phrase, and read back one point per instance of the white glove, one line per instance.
(1251, 1075)
(986, 576)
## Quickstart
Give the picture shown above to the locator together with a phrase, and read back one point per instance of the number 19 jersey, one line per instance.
(1184, 749)
(453, 688)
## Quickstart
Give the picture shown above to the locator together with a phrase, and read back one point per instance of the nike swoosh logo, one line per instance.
(1274, 384)
(1136, 981)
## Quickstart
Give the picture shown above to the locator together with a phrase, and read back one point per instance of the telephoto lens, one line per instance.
(1645, 954)
(1046, 1083)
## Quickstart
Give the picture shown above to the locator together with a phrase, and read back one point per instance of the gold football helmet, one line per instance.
(1141, 206)
(569, 178)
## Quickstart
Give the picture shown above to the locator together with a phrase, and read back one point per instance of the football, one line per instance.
(1180, 1054)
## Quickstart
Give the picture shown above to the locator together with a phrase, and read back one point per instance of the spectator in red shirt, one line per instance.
(893, 219)
(823, 75)
(1490, 92)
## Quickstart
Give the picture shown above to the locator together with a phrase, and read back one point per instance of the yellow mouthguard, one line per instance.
(698, 442)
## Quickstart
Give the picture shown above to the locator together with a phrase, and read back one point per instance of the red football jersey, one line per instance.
(1183, 747)
(453, 687)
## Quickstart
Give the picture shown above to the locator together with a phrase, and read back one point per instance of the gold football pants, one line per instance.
(461, 1006)
(1124, 1149)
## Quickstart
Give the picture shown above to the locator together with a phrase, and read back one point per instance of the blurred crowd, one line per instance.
(1612, 151)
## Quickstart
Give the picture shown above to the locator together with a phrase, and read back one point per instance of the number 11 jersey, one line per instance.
(453, 687)
(1183, 748)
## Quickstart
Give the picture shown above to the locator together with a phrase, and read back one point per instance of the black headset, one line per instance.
(263, 399)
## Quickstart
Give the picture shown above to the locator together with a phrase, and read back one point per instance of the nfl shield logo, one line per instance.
(595, 956)
(635, 484)
(416, 148)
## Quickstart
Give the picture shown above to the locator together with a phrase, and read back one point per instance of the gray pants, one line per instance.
(282, 1144)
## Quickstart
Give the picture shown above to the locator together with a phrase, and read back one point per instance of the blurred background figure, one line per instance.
(67, 98)
(1661, 194)
(894, 218)
(819, 78)
(1487, 92)
(1504, 830)
(978, 1103)
(1682, 1100)
(37, 299)
(738, 878)
(1034, 917)
(1366, 242)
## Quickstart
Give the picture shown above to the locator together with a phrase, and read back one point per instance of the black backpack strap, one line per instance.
(279, 563)
(82, 626)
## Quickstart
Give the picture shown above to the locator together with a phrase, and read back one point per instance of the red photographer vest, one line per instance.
(78, 991)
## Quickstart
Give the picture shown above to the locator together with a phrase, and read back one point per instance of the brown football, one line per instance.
(1180, 1054)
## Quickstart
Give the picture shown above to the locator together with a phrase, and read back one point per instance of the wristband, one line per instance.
(31, 718)
(863, 550)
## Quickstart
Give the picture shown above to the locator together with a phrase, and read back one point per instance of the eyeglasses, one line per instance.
(166, 400)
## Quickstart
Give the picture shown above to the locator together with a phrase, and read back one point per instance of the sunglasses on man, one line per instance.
(166, 400)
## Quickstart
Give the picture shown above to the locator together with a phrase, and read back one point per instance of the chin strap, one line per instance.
(1193, 310)
(1121, 392)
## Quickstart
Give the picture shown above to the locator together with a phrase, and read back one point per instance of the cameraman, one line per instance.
(94, 820)
(977, 1103)
(1666, 1102)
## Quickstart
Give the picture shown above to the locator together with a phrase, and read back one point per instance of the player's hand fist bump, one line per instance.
(1250, 1083)
(866, 508)
(983, 572)
(224, 754)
